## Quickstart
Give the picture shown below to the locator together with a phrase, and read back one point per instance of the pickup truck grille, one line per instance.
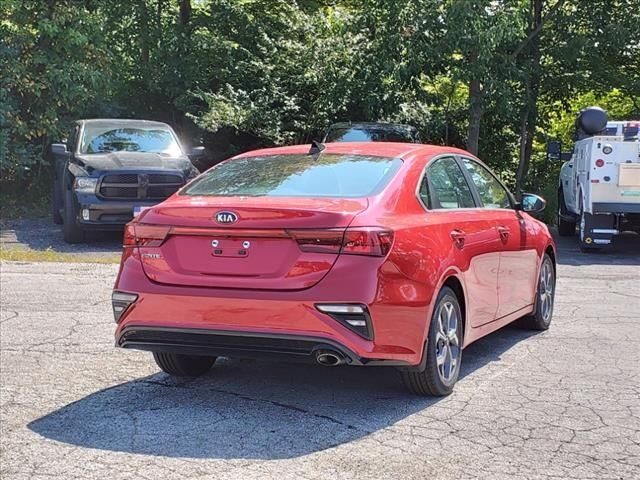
(142, 186)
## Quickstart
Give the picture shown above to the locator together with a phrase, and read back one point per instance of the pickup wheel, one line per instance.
(566, 228)
(56, 203)
(179, 365)
(55, 211)
(71, 231)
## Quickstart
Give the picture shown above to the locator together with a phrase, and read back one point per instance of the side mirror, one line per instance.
(531, 203)
(197, 152)
(554, 150)
(59, 148)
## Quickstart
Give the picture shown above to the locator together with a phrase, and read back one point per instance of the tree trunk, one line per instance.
(143, 36)
(185, 12)
(530, 114)
(475, 115)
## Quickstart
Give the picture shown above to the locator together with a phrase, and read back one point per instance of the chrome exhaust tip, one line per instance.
(328, 358)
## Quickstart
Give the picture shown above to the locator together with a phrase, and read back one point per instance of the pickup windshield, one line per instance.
(101, 139)
(329, 175)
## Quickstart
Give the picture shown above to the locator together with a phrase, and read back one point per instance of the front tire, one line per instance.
(70, 229)
(545, 296)
(179, 365)
(443, 350)
(55, 205)
(566, 228)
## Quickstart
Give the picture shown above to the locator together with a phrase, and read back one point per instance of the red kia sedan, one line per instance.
(351, 253)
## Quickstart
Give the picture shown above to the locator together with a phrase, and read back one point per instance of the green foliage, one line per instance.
(53, 69)
(241, 73)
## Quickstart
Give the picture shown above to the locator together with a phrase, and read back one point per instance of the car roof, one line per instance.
(122, 121)
(375, 149)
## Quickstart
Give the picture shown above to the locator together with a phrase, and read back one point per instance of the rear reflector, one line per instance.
(353, 316)
(354, 241)
(331, 308)
(121, 301)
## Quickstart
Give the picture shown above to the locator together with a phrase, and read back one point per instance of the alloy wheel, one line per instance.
(447, 342)
(546, 288)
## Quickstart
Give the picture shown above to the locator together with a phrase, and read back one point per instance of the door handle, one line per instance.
(458, 237)
(504, 232)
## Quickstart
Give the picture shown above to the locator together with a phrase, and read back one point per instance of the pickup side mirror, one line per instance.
(59, 148)
(554, 150)
(197, 152)
(531, 203)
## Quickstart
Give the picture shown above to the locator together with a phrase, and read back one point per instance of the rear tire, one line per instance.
(179, 365)
(443, 350)
(71, 231)
(566, 228)
(545, 295)
(586, 242)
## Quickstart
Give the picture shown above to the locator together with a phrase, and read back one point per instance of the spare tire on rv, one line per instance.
(590, 121)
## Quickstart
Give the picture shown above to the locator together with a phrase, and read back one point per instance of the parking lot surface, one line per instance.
(42, 233)
(560, 404)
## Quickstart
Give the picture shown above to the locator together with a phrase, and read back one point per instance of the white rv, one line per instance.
(599, 187)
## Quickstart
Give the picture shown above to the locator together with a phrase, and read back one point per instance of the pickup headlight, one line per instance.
(85, 184)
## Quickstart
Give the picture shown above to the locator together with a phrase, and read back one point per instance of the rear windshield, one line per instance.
(326, 175)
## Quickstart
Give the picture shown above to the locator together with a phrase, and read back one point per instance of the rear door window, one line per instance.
(445, 186)
(492, 193)
(326, 175)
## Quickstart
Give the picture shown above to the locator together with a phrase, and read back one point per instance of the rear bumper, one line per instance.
(219, 321)
(616, 207)
(238, 344)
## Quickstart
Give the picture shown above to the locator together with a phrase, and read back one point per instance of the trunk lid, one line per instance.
(259, 250)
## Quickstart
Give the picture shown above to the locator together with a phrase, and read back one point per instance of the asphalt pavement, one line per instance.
(560, 404)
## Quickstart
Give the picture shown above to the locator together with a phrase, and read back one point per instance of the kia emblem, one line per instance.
(226, 218)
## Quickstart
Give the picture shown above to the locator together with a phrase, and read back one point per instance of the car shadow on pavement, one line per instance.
(252, 410)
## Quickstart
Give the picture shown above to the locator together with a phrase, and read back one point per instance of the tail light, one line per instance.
(600, 163)
(373, 242)
(318, 241)
(144, 235)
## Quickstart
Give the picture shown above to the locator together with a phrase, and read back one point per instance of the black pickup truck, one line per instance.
(111, 169)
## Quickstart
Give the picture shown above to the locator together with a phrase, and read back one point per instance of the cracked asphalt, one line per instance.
(561, 404)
